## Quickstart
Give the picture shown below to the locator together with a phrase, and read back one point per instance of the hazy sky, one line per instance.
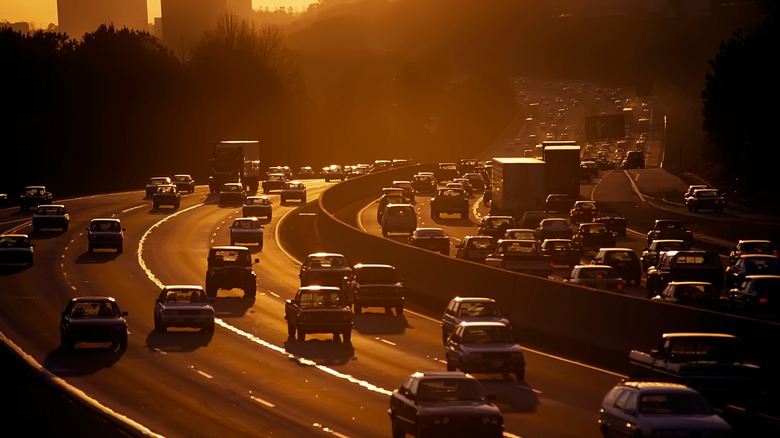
(43, 12)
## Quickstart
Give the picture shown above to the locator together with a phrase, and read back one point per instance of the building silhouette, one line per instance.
(185, 21)
(77, 17)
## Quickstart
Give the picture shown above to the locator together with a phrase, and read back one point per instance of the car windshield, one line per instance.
(94, 309)
(521, 247)
(320, 299)
(487, 334)
(50, 211)
(185, 296)
(450, 390)
(520, 234)
(486, 308)
(480, 243)
(246, 223)
(326, 262)
(497, 222)
(157, 181)
(166, 189)
(227, 257)
(181, 178)
(367, 275)
(430, 233)
(231, 188)
(33, 191)
(674, 404)
(14, 242)
(105, 226)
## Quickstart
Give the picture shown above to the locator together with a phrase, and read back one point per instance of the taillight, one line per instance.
(619, 286)
(763, 300)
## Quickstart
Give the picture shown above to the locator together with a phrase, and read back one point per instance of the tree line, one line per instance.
(347, 83)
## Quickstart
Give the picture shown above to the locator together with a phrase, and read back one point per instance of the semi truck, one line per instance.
(562, 167)
(518, 185)
(235, 161)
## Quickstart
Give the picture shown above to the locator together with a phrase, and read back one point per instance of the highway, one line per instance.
(249, 379)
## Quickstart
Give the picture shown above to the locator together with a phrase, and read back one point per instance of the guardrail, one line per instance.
(586, 324)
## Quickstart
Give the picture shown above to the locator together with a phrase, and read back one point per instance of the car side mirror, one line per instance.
(125, 313)
(288, 301)
(124, 229)
(257, 260)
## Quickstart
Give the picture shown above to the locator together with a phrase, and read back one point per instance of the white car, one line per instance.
(653, 408)
(183, 306)
(151, 186)
(247, 230)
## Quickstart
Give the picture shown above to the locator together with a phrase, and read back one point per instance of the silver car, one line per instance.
(246, 230)
(183, 306)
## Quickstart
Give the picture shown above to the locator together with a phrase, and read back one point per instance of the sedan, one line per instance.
(258, 206)
(293, 190)
(183, 306)
(93, 319)
(553, 228)
(596, 277)
(232, 193)
(691, 293)
(441, 403)
(51, 216)
(16, 249)
(484, 347)
(433, 239)
(246, 230)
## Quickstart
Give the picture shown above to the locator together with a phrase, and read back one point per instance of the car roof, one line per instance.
(52, 205)
(610, 249)
(656, 384)
(373, 265)
(697, 334)
(230, 247)
(93, 298)
(325, 254)
(105, 219)
(691, 282)
(442, 374)
(483, 323)
(319, 288)
(183, 286)
(15, 235)
(473, 299)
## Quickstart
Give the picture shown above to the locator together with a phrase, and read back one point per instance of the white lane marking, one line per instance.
(261, 401)
(28, 220)
(387, 342)
(133, 208)
(204, 374)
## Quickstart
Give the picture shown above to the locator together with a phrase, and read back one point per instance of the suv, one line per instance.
(318, 309)
(374, 285)
(230, 267)
(105, 233)
(451, 201)
(558, 202)
(408, 190)
(705, 199)
(495, 226)
(324, 269)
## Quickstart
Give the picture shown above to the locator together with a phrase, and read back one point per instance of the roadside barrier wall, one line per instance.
(596, 326)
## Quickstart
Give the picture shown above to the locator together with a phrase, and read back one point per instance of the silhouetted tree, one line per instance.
(739, 109)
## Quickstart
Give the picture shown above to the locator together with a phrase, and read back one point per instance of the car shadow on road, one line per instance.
(176, 340)
(232, 306)
(374, 321)
(85, 359)
(12, 269)
(98, 256)
(320, 348)
(511, 395)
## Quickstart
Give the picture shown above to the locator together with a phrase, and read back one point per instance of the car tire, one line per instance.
(301, 335)
(211, 291)
(120, 249)
(67, 342)
(250, 290)
(443, 337)
(90, 249)
(210, 327)
(290, 331)
(396, 430)
(451, 366)
(464, 215)
(384, 232)
(155, 206)
(64, 228)
(158, 325)
(176, 206)
(520, 375)
(399, 310)
(358, 309)
(347, 336)
(123, 342)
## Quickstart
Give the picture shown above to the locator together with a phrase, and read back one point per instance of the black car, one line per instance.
(16, 249)
(614, 222)
(93, 319)
(433, 239)
(624, 260)
(751, 264)
(34, 196)
(558, 202)
(757, 296)
(561, 251)
(700, 294)
(425, 398)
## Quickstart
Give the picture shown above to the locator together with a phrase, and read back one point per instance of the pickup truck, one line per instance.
(450, 200)
(318, 309)
(521, 256)
(685, 265)
(712, 363)
(669, 229)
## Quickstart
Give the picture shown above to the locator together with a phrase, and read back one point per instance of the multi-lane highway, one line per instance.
(249, 379)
